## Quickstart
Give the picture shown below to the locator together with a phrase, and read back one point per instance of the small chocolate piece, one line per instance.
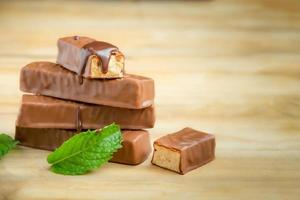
(136, 144)
(136, 147)
(47, 112)
(184, 150)
(90, 58)
(51, 79)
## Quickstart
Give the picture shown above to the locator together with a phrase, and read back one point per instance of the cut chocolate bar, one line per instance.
(46, 112)
(184, 150)
(135, 150)
(90, 58)
(51, 79)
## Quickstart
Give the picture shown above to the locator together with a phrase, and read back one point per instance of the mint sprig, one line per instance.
(6, 144)
(86, 151)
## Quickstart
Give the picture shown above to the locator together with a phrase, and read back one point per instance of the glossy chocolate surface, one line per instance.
(46, 112)
(196, 148)
(71, 53)
(136, 143)
(103, 50)
(136, 147)
(74, 51)
(51, 79)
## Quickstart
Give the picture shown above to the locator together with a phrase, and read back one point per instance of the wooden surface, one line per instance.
(231, 68)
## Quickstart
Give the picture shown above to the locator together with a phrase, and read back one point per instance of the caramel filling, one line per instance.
(166, 158)
(115, 66)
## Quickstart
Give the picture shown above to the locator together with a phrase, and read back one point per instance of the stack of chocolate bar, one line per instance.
(86, 89)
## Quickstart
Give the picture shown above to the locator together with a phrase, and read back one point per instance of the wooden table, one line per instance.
(231, 68)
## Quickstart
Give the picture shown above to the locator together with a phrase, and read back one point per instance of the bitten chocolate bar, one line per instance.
(136, 144)
(51, 79)
(90, 58)
(46, 112)
(184, 150)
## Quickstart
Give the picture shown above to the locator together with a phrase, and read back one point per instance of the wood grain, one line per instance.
(226, 67)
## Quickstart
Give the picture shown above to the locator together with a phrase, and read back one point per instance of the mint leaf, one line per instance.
(86, 151)
(6, 144)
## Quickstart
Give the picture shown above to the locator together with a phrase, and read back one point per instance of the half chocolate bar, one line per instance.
(90, 58)
(51, 79)
(46, 112)
(136, 143)
(184, 150)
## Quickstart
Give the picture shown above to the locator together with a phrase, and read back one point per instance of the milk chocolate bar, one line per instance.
(184, 150)
(90, 58)
(135, 150)
(51, 79)
(46, 112)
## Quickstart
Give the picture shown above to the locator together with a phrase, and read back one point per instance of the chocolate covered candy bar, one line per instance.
(90, 58)
(46, 112)
(184, 150)
(136, 147)
(135, 150)
(51, 79)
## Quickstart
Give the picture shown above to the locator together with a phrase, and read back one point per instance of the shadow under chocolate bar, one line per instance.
(46, 112)
(136, 143)
(51, 79)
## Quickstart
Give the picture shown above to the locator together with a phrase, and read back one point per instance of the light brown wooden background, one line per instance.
(231, 68)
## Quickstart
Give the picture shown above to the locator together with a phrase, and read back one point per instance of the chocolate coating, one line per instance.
(73, 53)
(103, 50)
(136, 147)
(46, 112)
(51, 79)
(196, 148)
(136, 144)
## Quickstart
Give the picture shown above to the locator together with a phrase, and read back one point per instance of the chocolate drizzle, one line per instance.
(80, 78)
(78, 120)
(103, 51)
(90, 58)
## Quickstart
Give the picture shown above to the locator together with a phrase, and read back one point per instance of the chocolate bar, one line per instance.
(51, 79)
(135, 150)
(136, 147)
(184, 150)
(46, 112)
(90, 58)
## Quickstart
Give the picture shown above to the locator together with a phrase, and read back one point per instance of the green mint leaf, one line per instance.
(86, 151)
(6, 144)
